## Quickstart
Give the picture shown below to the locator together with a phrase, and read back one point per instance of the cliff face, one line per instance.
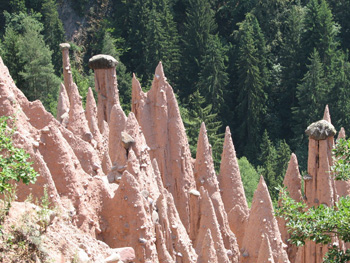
(130, 181)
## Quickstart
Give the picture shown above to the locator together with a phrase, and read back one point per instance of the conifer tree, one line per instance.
(268, 159)
(213, 78)
(199, 25)
(163, 40)
(123, 78)
(53, 31)
(152, 37)
(9, 51)
(250, 178)
(339, 99)
(291, 62)
(36, 76)
(193, 118)
(312, 96)
(320, 32)
(283, 153)
(251, 84)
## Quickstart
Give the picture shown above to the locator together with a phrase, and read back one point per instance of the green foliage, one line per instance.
(274, 163)
(213, 78)
(53, 31)
(312, 95)
(320, 224)
(30, 59)
(320, 31)
(109, 47)
(252, 82)
(199, 27)
(250, 178)
(193, 119)
(341, 159)
(83, 81)
(14, 162)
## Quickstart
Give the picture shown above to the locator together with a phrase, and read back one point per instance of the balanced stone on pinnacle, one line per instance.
(64, 46)
(106, 86)
(320, 130)
(102, 62)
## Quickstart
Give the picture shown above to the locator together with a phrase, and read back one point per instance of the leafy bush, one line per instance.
(14, 162)
(322, 224)
(250, 178)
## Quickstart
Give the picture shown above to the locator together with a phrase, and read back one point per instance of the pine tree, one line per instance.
(339, 99)
(53, 31)
(320, 32)
(35, 72)
(252, 82)
(152, 37)
(291, 63)
(163, 40)
(312, 96)
(341, 12)
(268, 162)
(283, 153)
(250, 178)
(213, 78)
(270, 14)
(9, 51)
(124, 79)
(199, 25)
(193, 118)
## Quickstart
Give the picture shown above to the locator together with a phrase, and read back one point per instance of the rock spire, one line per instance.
(106, 86)
(231, 189)
(262, 223)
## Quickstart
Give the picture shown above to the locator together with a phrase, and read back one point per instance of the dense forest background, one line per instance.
(265, 68)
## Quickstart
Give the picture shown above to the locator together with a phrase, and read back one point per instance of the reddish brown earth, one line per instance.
(128, 189)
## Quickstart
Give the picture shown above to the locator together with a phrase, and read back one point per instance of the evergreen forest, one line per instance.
(265, 68)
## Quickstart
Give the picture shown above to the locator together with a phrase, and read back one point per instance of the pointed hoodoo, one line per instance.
(117, 152)
(129, 220)
(341, 134)
(105, 85)
(262, 222)
(265, 252)
(230, 181)
(204, 171)
(319, 183)
(208, 220)
(77, 121)
(231, 188)
(292, 181)
(158, 114)
(63, 106)
(91, 114)
(67, 73)
(326, 115)
(207, 252)
(206, 176)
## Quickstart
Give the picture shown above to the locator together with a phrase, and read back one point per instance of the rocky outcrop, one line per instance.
(77, 122)
(130, 181)
(159, 117)
(63, 106)
(292, 181)
(206, 177)
(319, 184)
(262, 223)
(106, 86)
(231, 189)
